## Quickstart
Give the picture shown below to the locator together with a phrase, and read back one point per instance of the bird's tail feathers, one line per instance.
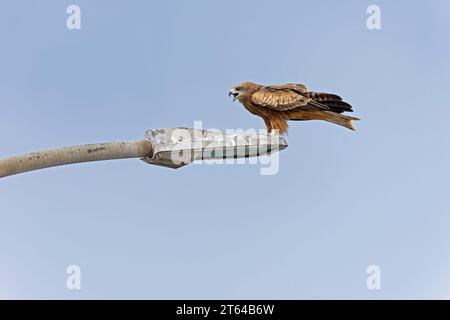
(342, 120)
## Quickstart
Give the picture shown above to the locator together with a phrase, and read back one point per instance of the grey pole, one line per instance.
(75, 154)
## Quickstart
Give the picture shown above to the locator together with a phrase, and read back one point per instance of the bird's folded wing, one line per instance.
(281, 98)
(296, 87)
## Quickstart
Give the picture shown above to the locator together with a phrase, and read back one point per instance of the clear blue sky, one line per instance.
(341, 201)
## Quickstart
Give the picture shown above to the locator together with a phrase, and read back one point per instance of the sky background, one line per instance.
(340, 202)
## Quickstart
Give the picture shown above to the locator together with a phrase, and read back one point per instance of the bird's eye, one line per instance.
(239, 88)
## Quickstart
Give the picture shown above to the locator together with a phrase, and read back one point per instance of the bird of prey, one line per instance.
(276, 104)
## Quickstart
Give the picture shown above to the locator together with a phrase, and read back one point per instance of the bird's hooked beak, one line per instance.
(233, 93)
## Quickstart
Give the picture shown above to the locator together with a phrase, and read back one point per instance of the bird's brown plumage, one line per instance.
(277, 104)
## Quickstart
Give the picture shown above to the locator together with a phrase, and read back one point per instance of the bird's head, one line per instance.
(241, 90)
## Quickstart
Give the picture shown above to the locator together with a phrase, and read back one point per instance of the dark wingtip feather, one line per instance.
(332, 101)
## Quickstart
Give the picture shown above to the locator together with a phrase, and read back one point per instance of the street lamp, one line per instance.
(168, 147)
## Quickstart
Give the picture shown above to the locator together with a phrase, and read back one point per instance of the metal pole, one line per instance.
(75, 154)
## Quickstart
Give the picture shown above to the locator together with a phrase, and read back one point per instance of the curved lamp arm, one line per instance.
(75, 154)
